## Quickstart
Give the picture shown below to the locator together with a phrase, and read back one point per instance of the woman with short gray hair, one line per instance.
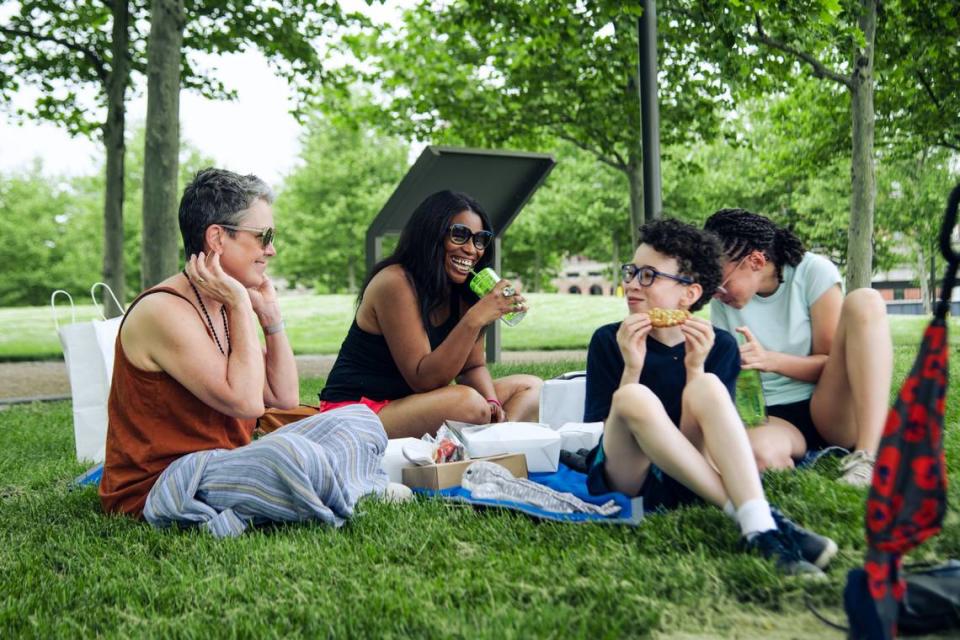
(190, 379)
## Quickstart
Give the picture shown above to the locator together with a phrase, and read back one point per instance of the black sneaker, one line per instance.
(778, 547)
(814, 548)
(576, 461)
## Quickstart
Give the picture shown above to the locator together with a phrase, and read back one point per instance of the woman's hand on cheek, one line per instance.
(212, 281)
(264, 301)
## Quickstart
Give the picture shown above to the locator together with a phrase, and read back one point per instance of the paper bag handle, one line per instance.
(99, 305)
(53, 308)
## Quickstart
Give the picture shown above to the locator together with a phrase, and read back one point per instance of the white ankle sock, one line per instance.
(730, 510)
(754, 517)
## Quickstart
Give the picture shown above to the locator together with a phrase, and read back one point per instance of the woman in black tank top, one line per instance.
(418, 327)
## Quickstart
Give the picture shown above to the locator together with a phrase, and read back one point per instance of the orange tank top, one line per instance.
(152, 421)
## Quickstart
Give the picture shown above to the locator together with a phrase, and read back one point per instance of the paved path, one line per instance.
(47, 380)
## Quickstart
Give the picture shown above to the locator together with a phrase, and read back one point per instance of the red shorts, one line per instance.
(375, 405)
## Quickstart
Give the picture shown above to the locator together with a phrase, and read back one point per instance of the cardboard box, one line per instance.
(449, 474)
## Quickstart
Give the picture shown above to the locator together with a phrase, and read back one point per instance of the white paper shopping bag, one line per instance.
(562, 399)
(88, 349)
(580, 435)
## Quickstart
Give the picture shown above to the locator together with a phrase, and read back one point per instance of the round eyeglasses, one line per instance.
(722, 287)
(646, 275)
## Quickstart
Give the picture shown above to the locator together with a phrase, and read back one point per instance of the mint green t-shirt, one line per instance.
(781, 321)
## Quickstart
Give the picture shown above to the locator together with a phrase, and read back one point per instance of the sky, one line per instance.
(253, 134)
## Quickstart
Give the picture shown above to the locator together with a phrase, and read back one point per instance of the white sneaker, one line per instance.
(397, 492)
(857, 468)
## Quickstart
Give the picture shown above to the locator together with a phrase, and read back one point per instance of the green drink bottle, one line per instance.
(750, 402)
(483, 283)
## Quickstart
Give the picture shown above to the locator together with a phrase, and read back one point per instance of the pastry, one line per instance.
(661, 318)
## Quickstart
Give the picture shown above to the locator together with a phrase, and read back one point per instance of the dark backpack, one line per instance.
(932, 600)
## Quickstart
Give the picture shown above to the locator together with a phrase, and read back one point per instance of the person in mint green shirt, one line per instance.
(825, 359)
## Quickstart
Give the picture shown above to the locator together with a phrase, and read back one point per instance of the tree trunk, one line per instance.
(634, 173)
(113, 142)
(864, 188)
(537, 268)
(161, 161)
(351, 275)
(615, 254)
(923, 280)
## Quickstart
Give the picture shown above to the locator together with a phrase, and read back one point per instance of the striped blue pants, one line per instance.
(313, 469)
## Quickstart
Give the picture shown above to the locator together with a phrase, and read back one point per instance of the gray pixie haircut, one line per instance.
(217, 196)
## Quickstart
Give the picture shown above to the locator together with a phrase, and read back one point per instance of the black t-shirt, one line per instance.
(365, 368)
(663, 371)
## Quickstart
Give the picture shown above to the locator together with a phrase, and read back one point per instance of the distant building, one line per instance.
(901, 291)
(898, 284)
(580, 275)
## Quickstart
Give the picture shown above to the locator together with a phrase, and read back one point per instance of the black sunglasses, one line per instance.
(266, 234)
(646, 275)
(461, 233)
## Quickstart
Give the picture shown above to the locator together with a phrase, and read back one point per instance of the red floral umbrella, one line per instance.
(908, 496)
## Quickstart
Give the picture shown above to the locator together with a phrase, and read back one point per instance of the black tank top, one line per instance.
(365, 367)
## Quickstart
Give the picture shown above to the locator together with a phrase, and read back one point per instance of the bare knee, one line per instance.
(706, 387)
(527, 383)
(634, 402)
(470, 406)
(864, 306)
(704, 392)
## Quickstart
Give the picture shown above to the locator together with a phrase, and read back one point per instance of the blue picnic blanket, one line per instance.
(566, 480)
(88, 477)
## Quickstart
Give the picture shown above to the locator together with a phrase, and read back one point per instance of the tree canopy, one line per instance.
(346, 175)
(526, 73)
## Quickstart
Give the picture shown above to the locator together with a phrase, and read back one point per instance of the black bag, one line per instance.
(932, 600)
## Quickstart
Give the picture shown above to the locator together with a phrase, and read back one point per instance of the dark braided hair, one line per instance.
(697, 253)
(742, 232)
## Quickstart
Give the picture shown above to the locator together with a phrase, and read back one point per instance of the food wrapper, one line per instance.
(449, 448)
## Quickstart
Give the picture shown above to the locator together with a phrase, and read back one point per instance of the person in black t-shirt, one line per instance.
(671, 430)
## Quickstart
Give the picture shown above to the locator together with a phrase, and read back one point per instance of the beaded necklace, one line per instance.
(223, 314)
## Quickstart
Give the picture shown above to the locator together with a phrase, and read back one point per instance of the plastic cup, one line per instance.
(483, 283)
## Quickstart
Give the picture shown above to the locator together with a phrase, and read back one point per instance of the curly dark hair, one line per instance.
(742, 232)
(697, 253)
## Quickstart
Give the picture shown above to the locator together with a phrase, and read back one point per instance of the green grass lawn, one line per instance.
(424, 569)
(318, 324)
